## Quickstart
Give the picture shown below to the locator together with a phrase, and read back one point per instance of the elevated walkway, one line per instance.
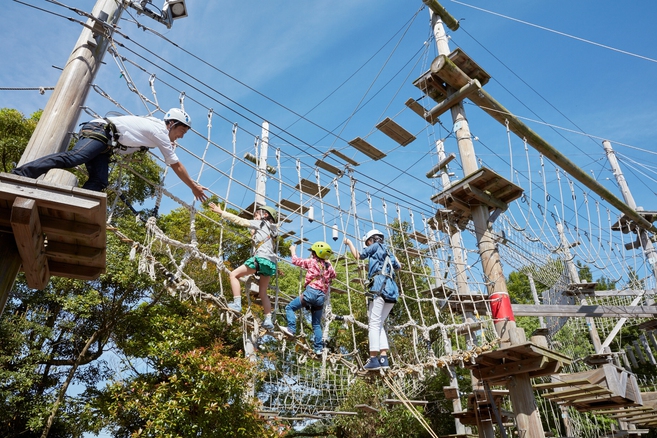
(59, 230)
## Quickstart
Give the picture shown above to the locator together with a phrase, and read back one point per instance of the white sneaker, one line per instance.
(286, 331)
(234, 306)
(267, 323)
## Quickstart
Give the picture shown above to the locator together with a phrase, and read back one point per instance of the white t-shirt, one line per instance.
(136, 131)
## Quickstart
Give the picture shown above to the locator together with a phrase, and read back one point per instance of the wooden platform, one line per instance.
(480, 407)
(627, 225)
(576, 289)
(435, 86)
(59, 230)
(497, 366)
(606, 387)
(480, 187)
(446, 218)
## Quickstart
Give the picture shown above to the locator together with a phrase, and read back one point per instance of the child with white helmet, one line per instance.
(383, 294)
(99, 139)
(319, 274)
(264, 234)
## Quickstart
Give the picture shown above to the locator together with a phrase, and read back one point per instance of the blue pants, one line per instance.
(94, 154)
(314, 299)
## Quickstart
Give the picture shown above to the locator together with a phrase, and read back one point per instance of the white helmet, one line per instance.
(179, 116)
(372, 233)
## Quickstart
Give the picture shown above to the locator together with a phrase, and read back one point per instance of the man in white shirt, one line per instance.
(100, 138)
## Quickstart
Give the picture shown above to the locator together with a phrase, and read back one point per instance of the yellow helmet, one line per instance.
(322, 250)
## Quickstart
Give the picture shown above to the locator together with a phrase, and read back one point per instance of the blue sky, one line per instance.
(584, 69)
(309, 58)
(323, 74)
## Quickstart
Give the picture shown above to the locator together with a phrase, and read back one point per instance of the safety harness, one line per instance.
(106, 133)
(256, 246)
(387, 270)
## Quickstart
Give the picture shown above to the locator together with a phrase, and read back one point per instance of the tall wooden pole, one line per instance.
(642, 235)
(520, 389)
(251, 339)
(574, 277)
(456, 245)
(644, 238)
(62, 111)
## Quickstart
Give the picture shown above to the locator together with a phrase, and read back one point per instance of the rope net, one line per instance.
(443, 316)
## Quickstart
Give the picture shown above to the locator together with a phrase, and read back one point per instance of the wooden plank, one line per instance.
(337, 413)
(394, 401)
(580, 396)
(561, 384)
(366, 408)
(328, 167)
(30, 239)
(419, 237)
(57, 227)
(509, 369)
(575, 311)
(390, 128)
(78, 272)
(415, 107)
(48, 197)
(293, 206)
(311, 188)
(485, 198)
(71, 253)
(344, 157)
(366, 148)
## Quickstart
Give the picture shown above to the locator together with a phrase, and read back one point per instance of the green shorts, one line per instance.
(265, 267)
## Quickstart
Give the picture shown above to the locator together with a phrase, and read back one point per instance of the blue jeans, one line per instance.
(313, 299)
(94, 154)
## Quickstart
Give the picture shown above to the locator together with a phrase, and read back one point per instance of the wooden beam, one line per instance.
(78, 272)
(485, 198)
(441, 165)
(30, 241)
(52, 198)
(72, 253)
(575, 311)
(58, 227)
(432, 115)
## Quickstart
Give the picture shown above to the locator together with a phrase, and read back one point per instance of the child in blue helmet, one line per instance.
(263, 233)
(319, 274)
(384, 293)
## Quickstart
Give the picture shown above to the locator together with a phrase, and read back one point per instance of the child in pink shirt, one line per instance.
(319, 274)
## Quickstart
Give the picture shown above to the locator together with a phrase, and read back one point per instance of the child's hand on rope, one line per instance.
(214, 207)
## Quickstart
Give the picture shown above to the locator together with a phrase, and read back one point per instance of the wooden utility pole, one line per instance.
(574, 278)
(61, 113)
(643, 238)
(456, 245)
(642, 234)
(520, 391)
(251, 339)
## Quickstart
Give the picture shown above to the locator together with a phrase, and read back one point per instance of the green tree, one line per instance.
(15, 132)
